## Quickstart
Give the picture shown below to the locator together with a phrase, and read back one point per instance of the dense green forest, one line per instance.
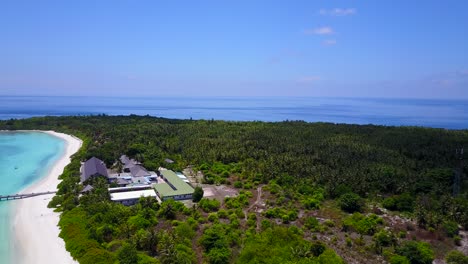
(332, 192)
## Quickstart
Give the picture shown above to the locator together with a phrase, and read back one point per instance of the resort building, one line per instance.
(133, 174)
(130, 195)
(173, 187)
(131, 198)
(139, 171)
(93, 167)
(128, 163)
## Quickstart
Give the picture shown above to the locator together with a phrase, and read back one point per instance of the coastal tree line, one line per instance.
(302, 165)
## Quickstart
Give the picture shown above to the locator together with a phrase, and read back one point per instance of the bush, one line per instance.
(219, 255)
(197, 194)
(212, 217)
(349, 242)
(329, 223)
(248, 185)
(145, 259)
(209, 205)
(402, 202)
(456, 257)
(312, 224)
(266, 224)
(214, 237)
(450, 228)
(364, 225)
(384, 238)
(329, 256)
(127, 254)
(222, 213)
(397, 259)
(389, 203)
(311, 203)
(351, 202)
(317, 248)
(416, 252)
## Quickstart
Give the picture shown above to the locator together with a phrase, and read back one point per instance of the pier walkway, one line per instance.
(22, 196)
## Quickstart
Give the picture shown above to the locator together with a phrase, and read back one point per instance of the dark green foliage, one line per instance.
(341, 157)
(98, 256)
(351, 202)
(80, 246)
(240, 201)
(281, 245)
(281, 213)
(402, 202)
(312, 224)
(215, 242)
(397, 259)
(389, 203)
(169, 209)
(145, 259)
(456, 257)
(127, 254)
(214, 237)
(384, 238)
(317, 248)
(238, 184)
(411, 165)
(311, 203)
(450, 228)
(416, 252)
(219, 255)
(365, 225)
(209, 205)
(197, 194)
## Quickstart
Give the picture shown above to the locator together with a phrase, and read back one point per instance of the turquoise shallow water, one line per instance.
(25, 157)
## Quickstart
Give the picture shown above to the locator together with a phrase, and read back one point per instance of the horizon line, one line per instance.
(244, 96)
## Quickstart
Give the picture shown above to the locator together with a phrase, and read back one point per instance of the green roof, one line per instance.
(165, 189)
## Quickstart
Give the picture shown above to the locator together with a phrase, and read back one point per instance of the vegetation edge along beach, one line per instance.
(34, 227)
(305, 192)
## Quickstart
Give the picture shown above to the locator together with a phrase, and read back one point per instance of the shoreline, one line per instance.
(35, 230)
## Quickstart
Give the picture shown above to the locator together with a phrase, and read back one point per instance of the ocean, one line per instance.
(25, 157)
(449, 114)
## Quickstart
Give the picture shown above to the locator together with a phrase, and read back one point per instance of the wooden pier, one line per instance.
(22, 196)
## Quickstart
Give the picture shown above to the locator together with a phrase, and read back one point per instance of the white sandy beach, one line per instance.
(34, 225)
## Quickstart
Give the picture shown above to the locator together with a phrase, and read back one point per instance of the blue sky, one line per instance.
(415, 49)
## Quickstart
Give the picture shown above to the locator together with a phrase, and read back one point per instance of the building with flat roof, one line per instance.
(173, 187)
(131, 197)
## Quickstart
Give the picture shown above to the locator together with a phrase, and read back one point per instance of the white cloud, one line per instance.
(329, 42)
(319, 31)
(338, 12)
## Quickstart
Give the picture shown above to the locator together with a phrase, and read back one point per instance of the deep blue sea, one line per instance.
(451, 114)
(25, 157)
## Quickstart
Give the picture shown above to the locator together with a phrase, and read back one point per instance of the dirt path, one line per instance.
(464, 242)
(256, 204)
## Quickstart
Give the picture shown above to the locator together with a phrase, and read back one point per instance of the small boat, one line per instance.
(16, 168)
